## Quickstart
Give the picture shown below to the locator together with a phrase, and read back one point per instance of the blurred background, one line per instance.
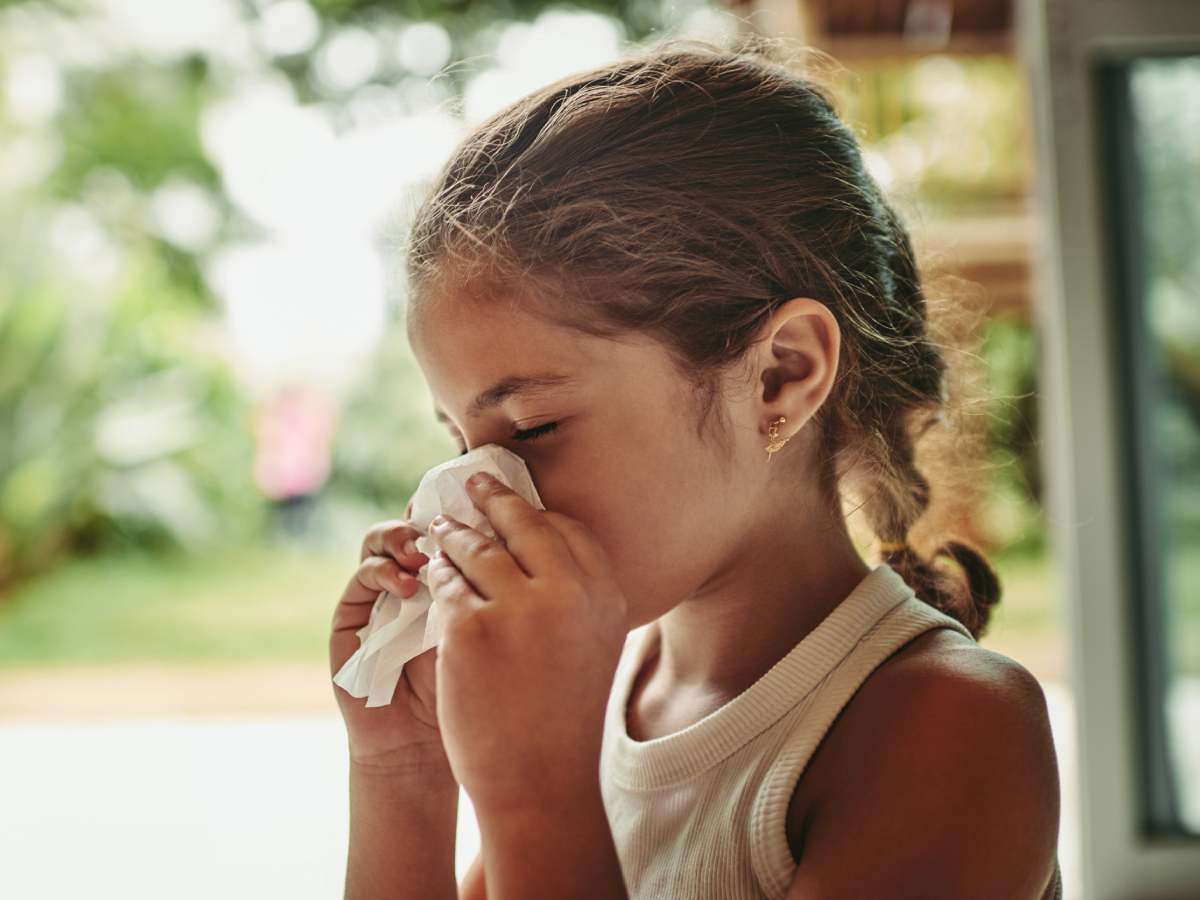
(206, 396)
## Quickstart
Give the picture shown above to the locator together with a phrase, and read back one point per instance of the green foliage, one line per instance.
(1166, 102)
(118, 424)
(141, 120)
(249, 603)
(947, 130)
(466, 16)
(41, 392)
(389, 437)
(1168, 115)
(1009, 355)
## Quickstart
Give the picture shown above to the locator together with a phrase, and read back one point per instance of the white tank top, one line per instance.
(701, 813)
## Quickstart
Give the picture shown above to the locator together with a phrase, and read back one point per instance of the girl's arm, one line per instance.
(562, 849)
(595, 877)
(402, 831)
(938, 781)
(584, 864)
(403, 797)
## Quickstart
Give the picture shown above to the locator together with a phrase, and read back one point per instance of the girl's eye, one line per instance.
(529, 434)
(532, 434)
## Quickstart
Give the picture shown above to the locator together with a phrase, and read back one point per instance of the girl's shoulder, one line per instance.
(942, 664)
(943, 760)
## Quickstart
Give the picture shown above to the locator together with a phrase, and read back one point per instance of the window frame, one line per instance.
(1092, 370)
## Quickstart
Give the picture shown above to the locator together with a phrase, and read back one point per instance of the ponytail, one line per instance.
(967, 595)
(956, 578)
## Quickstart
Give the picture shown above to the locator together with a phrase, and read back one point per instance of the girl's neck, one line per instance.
(713, 647)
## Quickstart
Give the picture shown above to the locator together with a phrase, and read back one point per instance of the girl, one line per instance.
(670, 286)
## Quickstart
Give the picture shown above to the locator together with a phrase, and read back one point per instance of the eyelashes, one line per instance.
(529, 434)
(533, 434)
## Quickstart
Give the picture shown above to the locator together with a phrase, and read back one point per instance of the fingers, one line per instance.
(375, 574)
(456, 597)
(538, 547)
(395, 538)
(486, 565)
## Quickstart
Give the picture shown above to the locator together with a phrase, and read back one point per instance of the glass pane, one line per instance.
(1165, 100)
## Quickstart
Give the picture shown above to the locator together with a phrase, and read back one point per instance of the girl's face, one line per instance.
(609, 432)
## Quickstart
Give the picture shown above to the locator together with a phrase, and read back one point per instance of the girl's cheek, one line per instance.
(553, 480)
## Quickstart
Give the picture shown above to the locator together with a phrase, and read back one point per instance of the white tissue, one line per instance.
(400, 629)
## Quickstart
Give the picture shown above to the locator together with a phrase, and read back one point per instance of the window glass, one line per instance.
(1164, 96)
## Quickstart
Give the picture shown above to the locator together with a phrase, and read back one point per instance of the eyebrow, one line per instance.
(508, 387)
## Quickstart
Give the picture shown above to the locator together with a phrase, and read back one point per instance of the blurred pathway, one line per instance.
(142, 690)
(141, 809)
(152, 806)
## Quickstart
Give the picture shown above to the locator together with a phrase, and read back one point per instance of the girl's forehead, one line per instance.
(472, 352)
(476, 356)
(465, 331)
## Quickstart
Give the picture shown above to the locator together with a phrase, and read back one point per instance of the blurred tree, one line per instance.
(139, 119)
(388, 439)
(119, 424)
(946, 134)
(1168, 119)
(121, 420)
(1009, 357)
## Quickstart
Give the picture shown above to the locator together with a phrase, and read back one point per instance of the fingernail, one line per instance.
(481, 478)
(410, 548)
(438, 522)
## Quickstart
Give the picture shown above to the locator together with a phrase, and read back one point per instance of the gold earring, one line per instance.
(773, 434)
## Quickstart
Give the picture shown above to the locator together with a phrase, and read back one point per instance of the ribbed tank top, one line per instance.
(701, 813)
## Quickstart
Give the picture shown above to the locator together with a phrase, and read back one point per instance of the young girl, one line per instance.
(671, 287)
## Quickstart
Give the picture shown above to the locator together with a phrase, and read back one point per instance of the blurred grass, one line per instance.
(1030, 603)
(257, 603)
(265, 603)
(1029, 624)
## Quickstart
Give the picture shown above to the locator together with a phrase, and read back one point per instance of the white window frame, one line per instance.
(1063, 44)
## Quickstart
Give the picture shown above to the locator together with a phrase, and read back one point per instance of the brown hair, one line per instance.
(686, 193)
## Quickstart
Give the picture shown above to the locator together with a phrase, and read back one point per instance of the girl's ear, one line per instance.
(798, 362)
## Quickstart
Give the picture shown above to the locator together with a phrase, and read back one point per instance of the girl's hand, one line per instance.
(389, 734)
(535, 622)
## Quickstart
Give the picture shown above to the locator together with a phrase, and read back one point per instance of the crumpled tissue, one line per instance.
(400, 629)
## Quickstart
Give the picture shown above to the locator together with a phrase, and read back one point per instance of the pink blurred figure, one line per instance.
(294, 431)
